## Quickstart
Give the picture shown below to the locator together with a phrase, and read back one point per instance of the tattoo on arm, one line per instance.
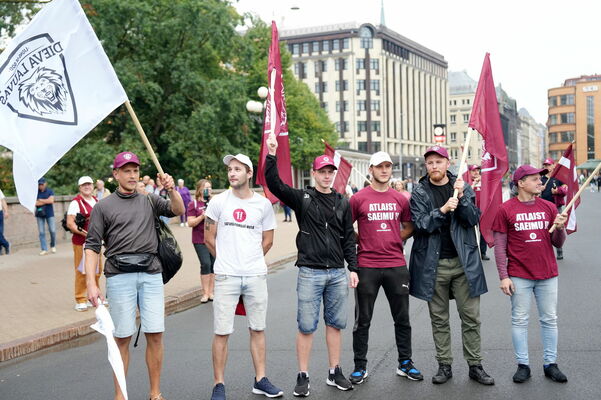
(208, 223)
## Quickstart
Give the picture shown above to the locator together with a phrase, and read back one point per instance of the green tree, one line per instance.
(13, 14)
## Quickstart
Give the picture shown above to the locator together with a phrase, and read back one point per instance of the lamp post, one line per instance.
(257, 106)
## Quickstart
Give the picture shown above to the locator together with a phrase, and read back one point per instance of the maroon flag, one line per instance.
(343, 172)
(565, 171)
(485, 120)
(275, 119)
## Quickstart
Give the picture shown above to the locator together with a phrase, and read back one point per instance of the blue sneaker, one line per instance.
(358, 376)
(408, 370)
(265, 388)
(218, 392)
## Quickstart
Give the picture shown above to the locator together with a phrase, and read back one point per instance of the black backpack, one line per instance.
(169, 252)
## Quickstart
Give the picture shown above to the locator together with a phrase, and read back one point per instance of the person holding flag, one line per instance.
(325, 240)
(554, 191)
(526, 266)
(475, 181)
(384, 222)
(445, 262)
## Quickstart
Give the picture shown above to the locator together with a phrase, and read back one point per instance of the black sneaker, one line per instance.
(302, 385)
(552, 371)
(265, 388)
(407, 369)
(218, 392)
(522, 374)
(478, 374)
(338, 380)
(485, 257)
(443, 375)
(358, 376)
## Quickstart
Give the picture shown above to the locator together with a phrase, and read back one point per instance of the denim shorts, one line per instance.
(228, 289)
(126, 292)
(313, 284)
(207, 261)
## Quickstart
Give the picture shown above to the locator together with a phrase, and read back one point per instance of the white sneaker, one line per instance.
(89, 304)
(43, 252)
(53, 250)
(81, 307)
(182, 225)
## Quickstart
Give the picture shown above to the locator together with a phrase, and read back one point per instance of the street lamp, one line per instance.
(257, 106)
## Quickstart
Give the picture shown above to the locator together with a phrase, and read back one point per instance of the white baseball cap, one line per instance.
(84, 179)
(379, 157)
(239, 157)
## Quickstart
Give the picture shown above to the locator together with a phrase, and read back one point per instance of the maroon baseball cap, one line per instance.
(323, 161)
(525, 170)
(548, 161)
(473, 167)
(124, 158)
(441, 151)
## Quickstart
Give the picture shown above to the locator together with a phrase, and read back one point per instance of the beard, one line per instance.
(437, 176)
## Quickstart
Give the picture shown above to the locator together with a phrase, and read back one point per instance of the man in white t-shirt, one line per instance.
(239, 228)
(3, 214)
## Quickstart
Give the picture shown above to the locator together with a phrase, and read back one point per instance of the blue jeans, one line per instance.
(314, 284)
(3, 241)
(545, 293)
(42, 230)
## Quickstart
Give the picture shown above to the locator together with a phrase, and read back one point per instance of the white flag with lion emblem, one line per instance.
(56, 84)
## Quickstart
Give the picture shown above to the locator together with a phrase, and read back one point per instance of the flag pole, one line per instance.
(144, 138)
(551, 173)
(272, 102)
(355, 170)
(463, 157)
(577, 195)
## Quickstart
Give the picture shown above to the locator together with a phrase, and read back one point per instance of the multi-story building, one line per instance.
(462, 89)
(510, 123)
(575, 115)
(533, 151)
(382, 90)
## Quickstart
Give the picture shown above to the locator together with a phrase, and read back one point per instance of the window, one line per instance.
(322, 89)
(362, 146)
(366, 36)
(299, 70)
(467, 101)
(305, 48)
(344, 106)
(552, 101)
(345, 43)
(375, 105)
(324, 105)
(335, 44)
(361, 105)
(553, 119)
(315, 47)
(325, 45)
(296, 49)
(341, 85)
(566, 99)
(567, 136)
(590, 127)
(453, 136)
(464, 135)
(341, 127)
(375, 126)
(567, 118)
(340, 63)
(362, 126)
(375, 85)
(320, 66)
(360, 84)
(454, 153)
(552, 137)
(452, 118)
(360, 63)
(374, 63)
(466, 118)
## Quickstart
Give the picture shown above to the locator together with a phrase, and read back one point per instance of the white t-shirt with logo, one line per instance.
(240, 227)
(1, 198)
(74, 206)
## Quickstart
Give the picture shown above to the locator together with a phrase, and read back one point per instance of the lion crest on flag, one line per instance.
(44, 92)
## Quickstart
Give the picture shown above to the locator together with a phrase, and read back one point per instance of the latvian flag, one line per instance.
(344, 169)
(565, 171)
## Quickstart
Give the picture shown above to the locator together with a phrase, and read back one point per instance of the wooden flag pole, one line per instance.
(144, 138)
(463, 157)
(272, 101)
(571, 203)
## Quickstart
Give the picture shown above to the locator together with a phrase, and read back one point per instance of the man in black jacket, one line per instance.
(325, 240)
(445, 262)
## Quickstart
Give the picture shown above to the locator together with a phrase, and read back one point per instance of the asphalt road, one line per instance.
(81, 370)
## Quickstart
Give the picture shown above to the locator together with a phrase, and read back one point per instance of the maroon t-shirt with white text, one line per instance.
(379, 216)
(529, 250)
(196, 209)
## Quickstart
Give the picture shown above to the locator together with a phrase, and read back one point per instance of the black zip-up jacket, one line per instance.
(320, 243)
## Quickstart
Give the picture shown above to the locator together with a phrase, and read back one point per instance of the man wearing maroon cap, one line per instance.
(554, 191)
(325, 240)
(526, 266)
(445, 262)
(125, 222)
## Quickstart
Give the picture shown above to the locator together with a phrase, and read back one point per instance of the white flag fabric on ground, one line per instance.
(56, 84)
(104, 325)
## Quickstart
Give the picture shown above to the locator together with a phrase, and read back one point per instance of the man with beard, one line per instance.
(445, 262)
(239, 226)
(325, 240)
(384, 221)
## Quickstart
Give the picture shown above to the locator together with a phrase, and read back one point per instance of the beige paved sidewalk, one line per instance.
(36, 292)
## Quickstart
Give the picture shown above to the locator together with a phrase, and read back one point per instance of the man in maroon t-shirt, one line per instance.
(384, 221)
(526, 265)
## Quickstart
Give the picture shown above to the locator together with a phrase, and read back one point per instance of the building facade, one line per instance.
(382, 90)
(575, 115)
(533, 150)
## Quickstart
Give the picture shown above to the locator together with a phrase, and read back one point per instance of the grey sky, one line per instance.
(534, 44)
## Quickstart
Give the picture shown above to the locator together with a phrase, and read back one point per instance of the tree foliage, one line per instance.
(188, 74)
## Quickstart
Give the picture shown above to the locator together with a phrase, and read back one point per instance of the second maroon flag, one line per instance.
(485, 119)
(343, 173)
(275, 119)
(565, 171)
